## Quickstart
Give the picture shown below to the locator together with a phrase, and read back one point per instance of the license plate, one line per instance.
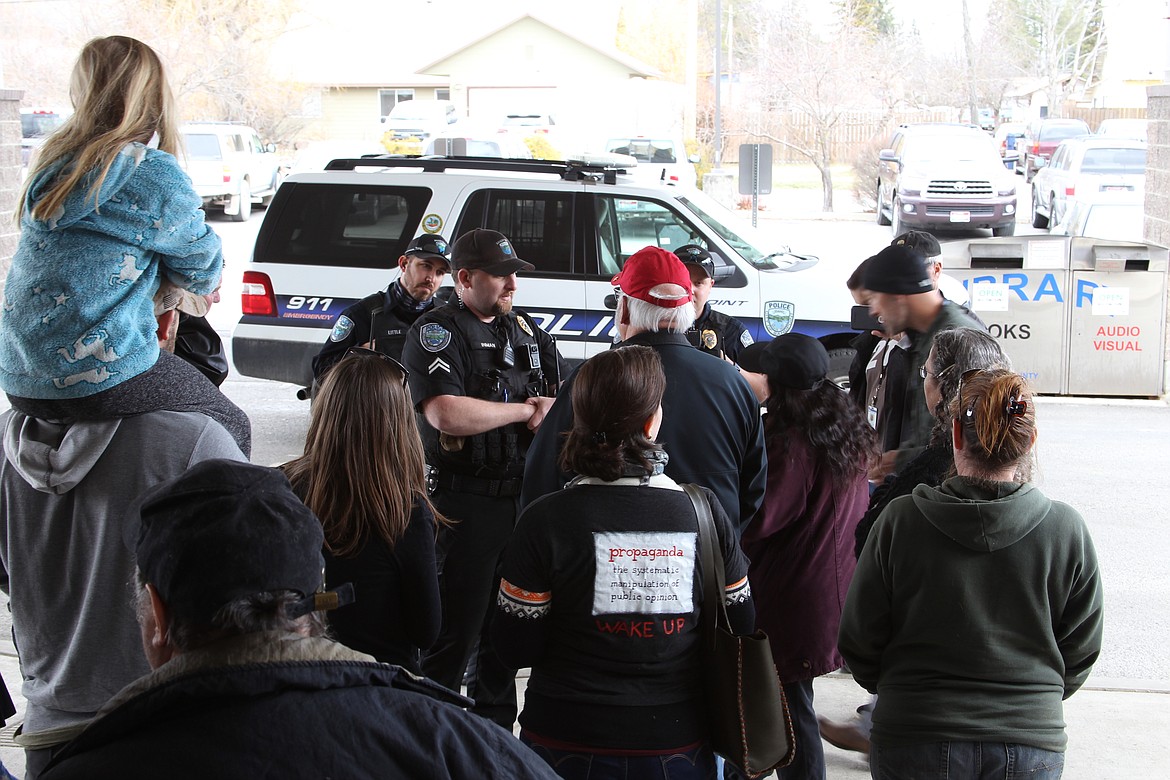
(1116, 188)
(960, 216)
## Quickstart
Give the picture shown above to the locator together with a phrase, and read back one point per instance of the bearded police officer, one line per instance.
(482, 376)
(714, 332)
(381, 321)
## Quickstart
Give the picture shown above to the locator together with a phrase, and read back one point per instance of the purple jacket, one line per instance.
(800, 545)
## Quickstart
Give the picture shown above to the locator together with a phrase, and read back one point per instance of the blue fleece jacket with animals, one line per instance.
(78, 311)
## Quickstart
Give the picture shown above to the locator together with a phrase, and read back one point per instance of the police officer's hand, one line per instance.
(541, 404)
(758, 383)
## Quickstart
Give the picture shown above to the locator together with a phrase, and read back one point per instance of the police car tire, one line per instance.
(840, 359)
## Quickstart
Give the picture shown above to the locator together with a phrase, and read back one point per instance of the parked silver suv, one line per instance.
(945, 177)
(230, 167)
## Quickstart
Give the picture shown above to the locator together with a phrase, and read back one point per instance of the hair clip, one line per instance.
(1016, 408)
(599, 437)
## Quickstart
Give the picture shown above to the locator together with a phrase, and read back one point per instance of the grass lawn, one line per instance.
(806, 176)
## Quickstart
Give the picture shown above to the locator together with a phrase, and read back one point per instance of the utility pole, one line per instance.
(718, 81)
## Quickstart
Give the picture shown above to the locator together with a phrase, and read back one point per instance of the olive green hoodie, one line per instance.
(974, 612)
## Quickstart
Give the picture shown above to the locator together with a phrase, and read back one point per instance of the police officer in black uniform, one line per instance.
(381, 321)
(714, 332)
(483, 376)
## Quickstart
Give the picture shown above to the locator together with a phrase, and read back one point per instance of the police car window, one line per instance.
(342, 225)
(539, 225)
(744, 239)
(638, 223)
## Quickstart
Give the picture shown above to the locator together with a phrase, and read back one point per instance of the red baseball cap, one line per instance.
(655, 276)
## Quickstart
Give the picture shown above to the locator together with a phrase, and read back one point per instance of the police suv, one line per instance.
(330, 238)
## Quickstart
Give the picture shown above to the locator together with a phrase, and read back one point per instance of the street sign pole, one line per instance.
(755, 173)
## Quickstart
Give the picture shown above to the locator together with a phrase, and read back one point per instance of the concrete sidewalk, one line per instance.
(1113, 726)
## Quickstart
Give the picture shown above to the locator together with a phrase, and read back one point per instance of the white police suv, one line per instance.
(330, 238)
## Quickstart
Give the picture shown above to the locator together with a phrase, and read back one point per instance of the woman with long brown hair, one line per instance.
(600, 592)
(976, 606)
(820, 447)
(363, 474)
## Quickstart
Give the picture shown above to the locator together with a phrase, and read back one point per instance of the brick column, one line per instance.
(9, 174)
(1157, 222)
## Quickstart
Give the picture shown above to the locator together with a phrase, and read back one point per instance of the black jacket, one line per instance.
(320, 712)
(711, 429)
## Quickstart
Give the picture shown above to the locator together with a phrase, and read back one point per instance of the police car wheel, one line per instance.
(839, 361)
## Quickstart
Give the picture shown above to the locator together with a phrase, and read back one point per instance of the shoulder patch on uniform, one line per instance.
(434, 337)
(341, 328)
(524, 326)
(746, 339)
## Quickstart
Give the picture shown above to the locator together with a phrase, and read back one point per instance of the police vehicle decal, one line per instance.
(434, 338)
(779, 317)
(432, 223)
(341, 329)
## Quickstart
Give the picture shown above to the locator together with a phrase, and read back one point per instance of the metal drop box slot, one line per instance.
(1077, 316)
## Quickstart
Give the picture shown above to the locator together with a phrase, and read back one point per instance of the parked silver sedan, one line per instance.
(1082, 168)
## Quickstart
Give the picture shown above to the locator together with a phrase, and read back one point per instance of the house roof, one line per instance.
(346, 45)
(636, 68)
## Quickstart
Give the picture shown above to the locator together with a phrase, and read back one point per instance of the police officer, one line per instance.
(381, 321)
(713, 332)
(482, 376)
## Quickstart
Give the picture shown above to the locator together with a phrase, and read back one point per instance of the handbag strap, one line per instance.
(714, 612)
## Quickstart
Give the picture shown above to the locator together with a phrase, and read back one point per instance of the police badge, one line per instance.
(341, 328)
(434, 337)
(524, 326)
(779, 317)
(710, 340)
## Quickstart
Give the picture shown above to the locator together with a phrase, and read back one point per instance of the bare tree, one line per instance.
(799, 73)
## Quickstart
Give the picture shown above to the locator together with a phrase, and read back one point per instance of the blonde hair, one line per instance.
(120, 94)
(363, 467)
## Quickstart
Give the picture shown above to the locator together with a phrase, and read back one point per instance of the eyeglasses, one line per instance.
(367, 352)
(922, 372)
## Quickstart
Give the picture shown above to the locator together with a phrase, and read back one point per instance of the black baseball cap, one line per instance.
(916, 239)
(898, 270)
(225, 530)
(693, 254)
(487, 250)
(792, 360)
(429, 245)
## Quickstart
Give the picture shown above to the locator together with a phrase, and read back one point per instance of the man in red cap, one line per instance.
(711, 419)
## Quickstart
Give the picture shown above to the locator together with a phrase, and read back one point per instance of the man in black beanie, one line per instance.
(904, 298)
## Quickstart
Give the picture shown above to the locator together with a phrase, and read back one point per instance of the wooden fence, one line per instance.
(854, 134)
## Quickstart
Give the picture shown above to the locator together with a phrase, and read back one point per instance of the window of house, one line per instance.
(388, 98)
(442, 94)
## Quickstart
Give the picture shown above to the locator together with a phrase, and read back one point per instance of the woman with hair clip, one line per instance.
(976, 607)
(820, 447)
(600, 592)
(953, 353)
(363, 475)
(106, 215)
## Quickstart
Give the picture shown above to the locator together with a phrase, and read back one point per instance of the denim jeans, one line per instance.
(964, 761)
(697, 764)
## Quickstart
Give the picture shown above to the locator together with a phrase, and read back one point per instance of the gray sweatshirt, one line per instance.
(67, 566)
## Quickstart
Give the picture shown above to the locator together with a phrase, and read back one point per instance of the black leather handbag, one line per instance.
(749, 722)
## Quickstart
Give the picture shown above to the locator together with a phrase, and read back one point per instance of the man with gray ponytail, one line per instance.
(711, 421)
